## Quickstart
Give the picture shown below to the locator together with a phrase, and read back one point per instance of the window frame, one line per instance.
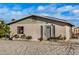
(20, 29)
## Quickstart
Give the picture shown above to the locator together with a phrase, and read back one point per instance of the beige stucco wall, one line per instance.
(29, 30)
(59, 30)
(32, 27)
(30, 21)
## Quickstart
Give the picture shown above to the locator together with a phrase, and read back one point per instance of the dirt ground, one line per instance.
(8, 47)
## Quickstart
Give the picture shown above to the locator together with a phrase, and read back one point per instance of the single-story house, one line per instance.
(41, 26)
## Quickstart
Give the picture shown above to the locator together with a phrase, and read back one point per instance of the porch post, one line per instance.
(51, 31)
(44, 37)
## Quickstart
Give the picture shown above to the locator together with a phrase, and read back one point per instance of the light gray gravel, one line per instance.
(37, 48)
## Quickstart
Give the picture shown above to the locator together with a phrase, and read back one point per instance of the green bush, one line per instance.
(52, 38)
(56, 38)
(40, 39)
(16, 36)
(23, 36)
(63, 38)
(7, 36)
(28, 37)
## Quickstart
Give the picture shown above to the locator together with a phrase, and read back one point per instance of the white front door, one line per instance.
(48, 31)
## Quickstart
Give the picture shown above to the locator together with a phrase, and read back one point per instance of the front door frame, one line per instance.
(43, 30)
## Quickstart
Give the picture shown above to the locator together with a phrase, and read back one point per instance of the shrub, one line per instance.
(50, 38)
(7, 36)
(11, 38)
(40, 39)
(64, 38)
(16, 36)
(73, 37)
(56, 38)
(28, 37)
(23, 36)
(59, 37)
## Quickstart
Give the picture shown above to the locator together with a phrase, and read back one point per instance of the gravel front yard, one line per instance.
(37, 48)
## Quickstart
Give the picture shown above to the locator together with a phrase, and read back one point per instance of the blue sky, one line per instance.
(67, 11)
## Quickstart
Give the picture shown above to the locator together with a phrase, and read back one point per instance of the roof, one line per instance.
(47, 17)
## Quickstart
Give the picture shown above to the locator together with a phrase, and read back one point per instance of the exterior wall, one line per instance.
(29, 30)
(68, 32)
(59, 30)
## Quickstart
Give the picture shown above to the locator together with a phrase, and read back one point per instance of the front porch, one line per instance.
(47, 31)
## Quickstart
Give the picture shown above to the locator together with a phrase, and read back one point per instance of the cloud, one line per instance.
(7, 13)
(29, 10)
(44, 14)
(16, 8)
(76, 11)
(64, 9)
(41, 8)
(4, 10)
(17, 12)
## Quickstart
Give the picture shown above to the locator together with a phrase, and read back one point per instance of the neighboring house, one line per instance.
(41, 26)
(75, 32)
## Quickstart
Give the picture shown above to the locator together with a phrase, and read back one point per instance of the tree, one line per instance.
(4, 29)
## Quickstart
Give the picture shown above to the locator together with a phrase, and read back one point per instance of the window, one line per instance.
(20, 29)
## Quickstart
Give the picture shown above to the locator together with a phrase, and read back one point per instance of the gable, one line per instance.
(31, 21)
